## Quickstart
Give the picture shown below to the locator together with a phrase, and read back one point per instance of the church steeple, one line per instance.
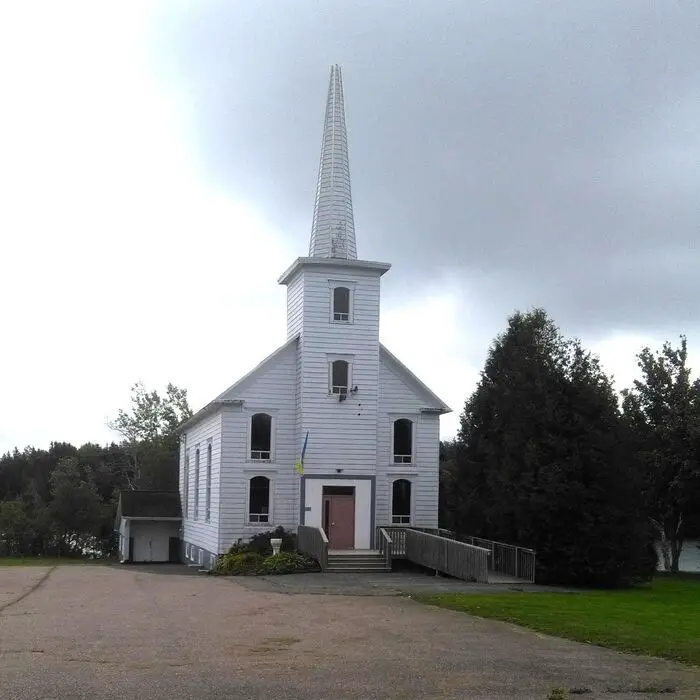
(333, 229)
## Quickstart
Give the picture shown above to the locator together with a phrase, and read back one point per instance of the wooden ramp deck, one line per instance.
(468, 558)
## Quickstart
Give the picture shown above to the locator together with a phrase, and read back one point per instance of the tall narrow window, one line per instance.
(340, 370)
(341, 304)
(403, 441)
(186, 486)
(259, 500)
(196, 484)
(207, 502)
(401, 502)
(261, 437)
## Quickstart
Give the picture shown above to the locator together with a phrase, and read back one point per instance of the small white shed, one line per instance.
(149, 524)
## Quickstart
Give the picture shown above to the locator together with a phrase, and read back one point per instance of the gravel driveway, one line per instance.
(117, 632)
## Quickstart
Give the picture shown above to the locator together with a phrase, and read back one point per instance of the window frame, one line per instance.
(195, 500)
(273, 441)
(270, 492)
(415, 420)
(337, 315)
(340, 358)
(392, 445)
(350, 286)
(186, 485)
(401, 519)
(207, 496)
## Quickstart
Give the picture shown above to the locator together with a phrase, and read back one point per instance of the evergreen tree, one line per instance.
(542, 460)
(448, 494)
(75, 508)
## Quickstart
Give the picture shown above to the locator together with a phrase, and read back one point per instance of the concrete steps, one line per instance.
(356, 562)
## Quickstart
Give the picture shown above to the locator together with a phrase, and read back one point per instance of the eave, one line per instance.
(332, 263)
(211, 408)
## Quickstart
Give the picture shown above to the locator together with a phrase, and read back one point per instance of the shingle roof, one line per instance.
(149, 504)
(333, 229)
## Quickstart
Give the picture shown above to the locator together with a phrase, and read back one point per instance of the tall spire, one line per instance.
(333, 230)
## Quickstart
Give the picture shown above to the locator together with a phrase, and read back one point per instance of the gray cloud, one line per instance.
(549, 151)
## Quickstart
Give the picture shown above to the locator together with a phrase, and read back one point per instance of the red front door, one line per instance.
(339, 511)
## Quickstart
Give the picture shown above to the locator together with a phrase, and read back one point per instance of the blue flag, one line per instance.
(300, 463)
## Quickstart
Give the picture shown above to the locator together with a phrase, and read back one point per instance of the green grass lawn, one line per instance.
(46, 561)
(660, 619)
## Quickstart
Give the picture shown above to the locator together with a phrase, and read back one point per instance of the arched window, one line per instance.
(261, 437)
(196, 484)
(341, 304)
(339, 376)
(401, 502)
(403, 441)
(259, 500)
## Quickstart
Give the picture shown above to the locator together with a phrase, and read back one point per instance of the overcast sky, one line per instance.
(158, 166)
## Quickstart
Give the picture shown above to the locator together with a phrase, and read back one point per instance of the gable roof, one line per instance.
(235, 388)
(149, 504)
(435, 403)
(228, 397)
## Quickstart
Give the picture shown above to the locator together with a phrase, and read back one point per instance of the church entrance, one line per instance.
(339, 516)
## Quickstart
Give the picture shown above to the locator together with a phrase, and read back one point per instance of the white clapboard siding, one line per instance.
(400, 398)
(295, 305)
(272, 390)
(196, 530)
(342, 434)
(350, 437)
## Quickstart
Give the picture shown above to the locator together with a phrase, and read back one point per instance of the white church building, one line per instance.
(331, 430)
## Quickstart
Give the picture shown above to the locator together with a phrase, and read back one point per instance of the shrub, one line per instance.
(260, 543)
(288, 563)
(238, 547)
(242, 564)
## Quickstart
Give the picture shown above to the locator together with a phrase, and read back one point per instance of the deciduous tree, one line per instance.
(147, 429)
(663, 407)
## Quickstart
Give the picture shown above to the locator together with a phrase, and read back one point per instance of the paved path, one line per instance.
(379, 584)
(116, 632)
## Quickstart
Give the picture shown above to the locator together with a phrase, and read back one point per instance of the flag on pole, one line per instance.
(300, 463)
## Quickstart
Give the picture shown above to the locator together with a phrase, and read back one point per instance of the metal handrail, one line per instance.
(508, 559)
(451, 533)
(504, 559)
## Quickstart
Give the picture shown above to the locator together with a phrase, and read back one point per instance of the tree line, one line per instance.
(62, 501)
(548, 457)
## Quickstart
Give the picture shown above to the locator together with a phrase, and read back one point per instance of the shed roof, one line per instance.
(149, 504)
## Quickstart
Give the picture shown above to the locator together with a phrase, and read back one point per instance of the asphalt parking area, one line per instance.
(119, 632)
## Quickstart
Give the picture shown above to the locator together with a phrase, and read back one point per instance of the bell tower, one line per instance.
(333, 307)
